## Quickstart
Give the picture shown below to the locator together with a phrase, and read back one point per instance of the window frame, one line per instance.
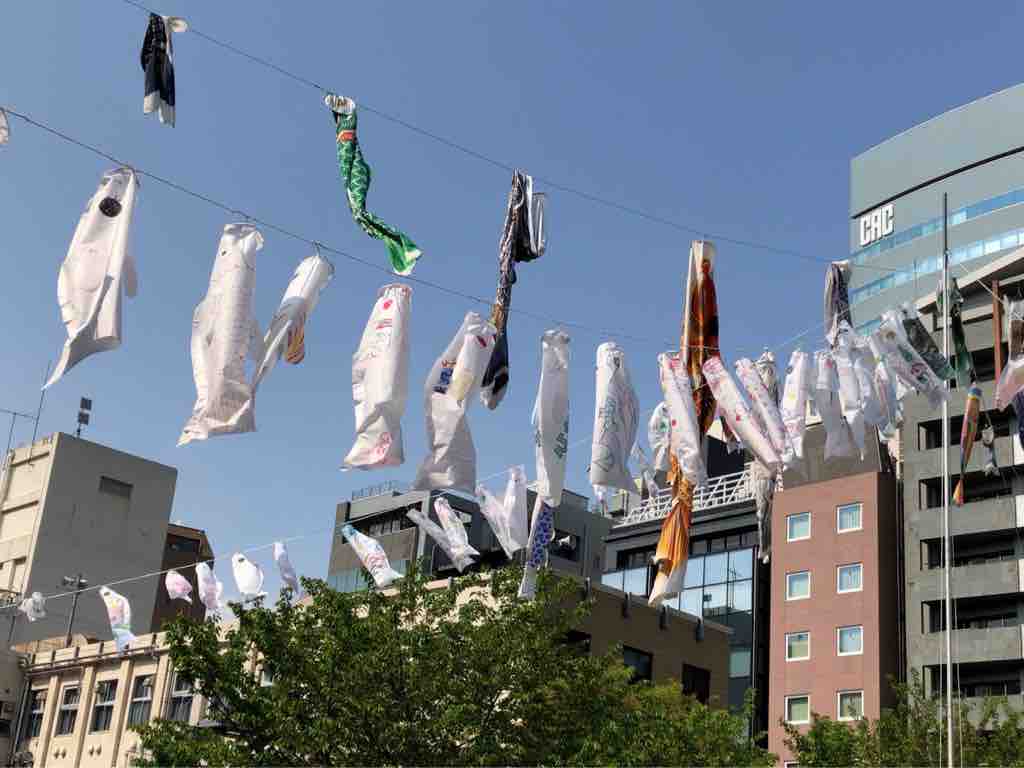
(798, 573)
(809, 524)
(839, 651)
(105, 706)
(178, 694)
(636, 678)
(34, 726)
(785, 709)
(839, 705)
(839, 568)
(136, 699)
(860, 517)
(63, 707)
(798, 658)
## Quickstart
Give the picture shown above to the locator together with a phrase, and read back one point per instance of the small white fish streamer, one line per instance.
(372, 555)
(211, 589)
(224, 334)
(286, 336)
(177, 586)
(507, 518)
(286, 569)
(5, 128)
(765, 408)
(838, 440)
(120, 614)
(380, 381)
(248, 577)
(451, 386)
(450, 535)
(96, 271)
(34, 607)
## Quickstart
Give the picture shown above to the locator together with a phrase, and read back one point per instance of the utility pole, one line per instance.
(77, 583)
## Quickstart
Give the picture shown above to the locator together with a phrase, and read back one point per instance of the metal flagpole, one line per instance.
(945, 486)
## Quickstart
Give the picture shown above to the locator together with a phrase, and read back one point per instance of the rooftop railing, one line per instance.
(720, 491)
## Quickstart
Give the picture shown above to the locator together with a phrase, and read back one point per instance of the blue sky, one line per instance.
(738, 118)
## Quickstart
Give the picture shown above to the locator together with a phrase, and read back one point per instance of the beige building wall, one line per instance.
(69, 506)
(88, 668)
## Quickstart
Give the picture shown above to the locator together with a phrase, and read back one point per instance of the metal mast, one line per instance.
(945, 487)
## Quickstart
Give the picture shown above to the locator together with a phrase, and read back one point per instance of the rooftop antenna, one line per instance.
(84, 409)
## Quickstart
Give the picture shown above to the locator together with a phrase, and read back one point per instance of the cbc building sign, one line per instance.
(877, 224)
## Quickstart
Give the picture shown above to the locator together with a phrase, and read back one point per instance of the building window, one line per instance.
(739, 661)
(798, 585)
(578, 642)
(849, 578)
(639, 661)
(36, 710)
(633, 558)
(142, 700)
(103, 709)
(850, 641)
(565, 545)
(182, 544)
(798, 709)
(851, 705)
(114, 487)
(68, 712)
(180, 708)
(798, 646)
(848, 518)
(798, 526)
(697, 683)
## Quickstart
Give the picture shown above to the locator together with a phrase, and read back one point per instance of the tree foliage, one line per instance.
(461, 676)
(913, 733)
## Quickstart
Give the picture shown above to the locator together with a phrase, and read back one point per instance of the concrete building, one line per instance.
(725, 579)
(380, 512)
(835, 611)
(987, 578)
(70, 506)
(185, 546)
(975, 154)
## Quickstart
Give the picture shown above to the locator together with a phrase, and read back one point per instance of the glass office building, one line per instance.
(974, 155)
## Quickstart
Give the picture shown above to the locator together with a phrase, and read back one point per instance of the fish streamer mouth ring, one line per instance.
(110, 207)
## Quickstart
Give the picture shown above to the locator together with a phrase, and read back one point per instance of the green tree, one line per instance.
(913, 733)
(461, 676)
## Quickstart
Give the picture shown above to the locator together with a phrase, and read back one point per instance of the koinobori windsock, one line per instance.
(449, 533)
(402, 251)
(522, 239)
(968, 433)
(451, 385)
(616, 419)
(157, 59)
(286, 335)
(698, 343)
(372, 555)
(224, 334)
(380, 382)
(120, 614)
(97, 270)
(551, 417)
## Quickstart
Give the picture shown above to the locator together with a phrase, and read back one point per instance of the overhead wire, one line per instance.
(703, 232)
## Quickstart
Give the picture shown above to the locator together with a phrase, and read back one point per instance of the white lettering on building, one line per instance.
(877, 224)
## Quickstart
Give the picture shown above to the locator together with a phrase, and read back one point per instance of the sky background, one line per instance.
(738, 119)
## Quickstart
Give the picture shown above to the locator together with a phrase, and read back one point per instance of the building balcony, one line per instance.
(971, 645)
(718, 492)
(1004, 577)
